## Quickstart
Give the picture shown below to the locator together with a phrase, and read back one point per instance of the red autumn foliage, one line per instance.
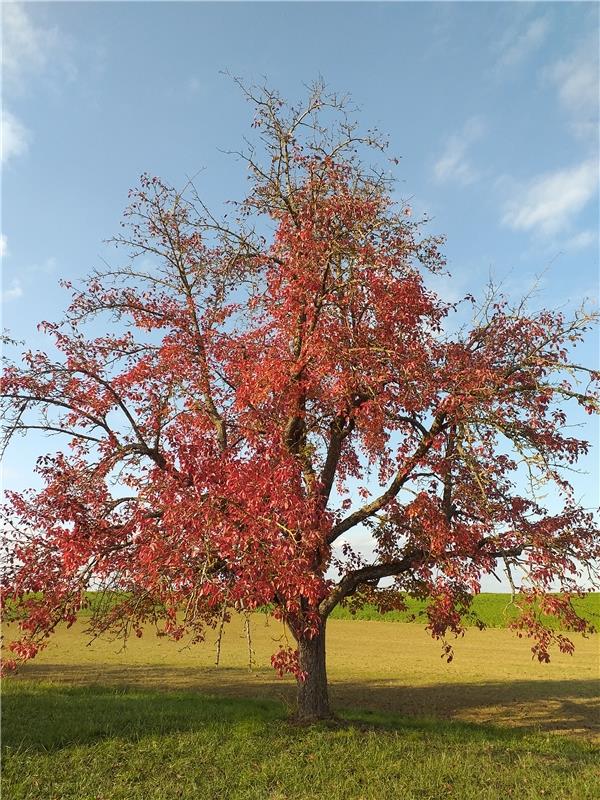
(231, 397)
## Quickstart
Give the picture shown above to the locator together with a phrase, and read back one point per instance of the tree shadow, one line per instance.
(549, 705)
(565, 706)
(54, 717)
(49, 718)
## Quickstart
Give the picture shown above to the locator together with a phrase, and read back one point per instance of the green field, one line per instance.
(100, 744)
(494, 610)
(158, 721)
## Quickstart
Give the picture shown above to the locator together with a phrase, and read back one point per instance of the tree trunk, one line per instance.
(313, 699)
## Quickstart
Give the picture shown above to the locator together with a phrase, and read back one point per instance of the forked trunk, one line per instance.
(313, 699)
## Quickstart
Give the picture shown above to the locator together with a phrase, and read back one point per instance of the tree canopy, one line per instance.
(231, 395)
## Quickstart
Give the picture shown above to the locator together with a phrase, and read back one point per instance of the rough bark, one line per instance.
(313, 698)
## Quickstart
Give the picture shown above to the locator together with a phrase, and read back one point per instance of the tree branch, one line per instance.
(401, 478)
(374, 572)
(340, 430)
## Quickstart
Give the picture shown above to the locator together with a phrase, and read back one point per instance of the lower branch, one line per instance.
(373, 572)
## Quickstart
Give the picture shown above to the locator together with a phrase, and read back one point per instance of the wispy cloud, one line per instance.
(13, 292)
(515, 47)
(577, 81)
(28, 275)
(15, 137)
(548, 203)
(31, 49)
(454, 163)
(15, 289)
(581, 240)
(550, 248)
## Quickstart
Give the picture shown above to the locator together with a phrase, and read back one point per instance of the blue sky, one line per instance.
(493, 109)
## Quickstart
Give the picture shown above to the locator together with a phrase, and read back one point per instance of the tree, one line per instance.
(258, 379)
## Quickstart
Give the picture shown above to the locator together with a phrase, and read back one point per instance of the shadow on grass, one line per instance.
(139, 700)
(50, 717)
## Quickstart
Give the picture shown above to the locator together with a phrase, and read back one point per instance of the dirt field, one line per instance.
(372, 665)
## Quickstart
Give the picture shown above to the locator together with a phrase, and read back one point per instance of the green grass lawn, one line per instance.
(494, 610)
(95, 743)
(91, 721)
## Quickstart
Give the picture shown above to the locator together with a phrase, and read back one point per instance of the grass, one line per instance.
(494, 610)
(91, 721)
(99, 743)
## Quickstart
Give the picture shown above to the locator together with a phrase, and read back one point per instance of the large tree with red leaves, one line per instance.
(271, 386)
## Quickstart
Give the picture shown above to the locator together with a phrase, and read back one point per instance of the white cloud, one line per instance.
(577, 81)
(548, 203)
(581, 241)
(3, 246)
(15, 137)
(454, 163)
(13, 292)
(515, 48)
(28, 48)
